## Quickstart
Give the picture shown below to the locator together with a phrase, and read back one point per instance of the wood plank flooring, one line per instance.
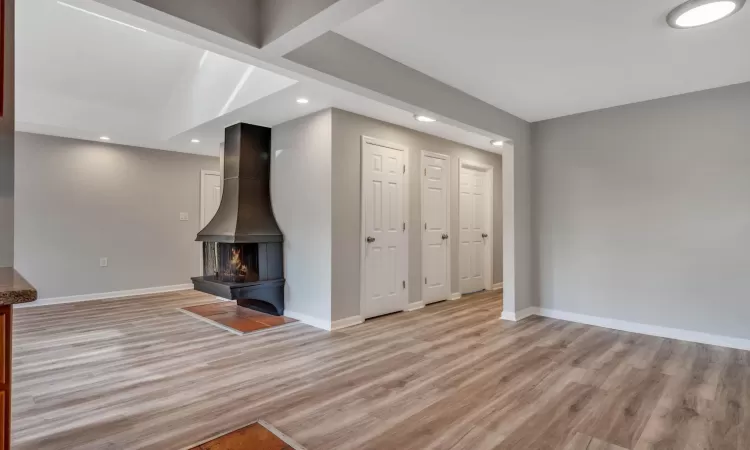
(138, 374)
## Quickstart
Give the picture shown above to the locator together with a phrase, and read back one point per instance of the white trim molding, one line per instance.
(509, 228)
(651, 330)
(455, 296)
(414, 306)
(115, 295)
(497, 286)
(520, 315)
(309, 320)
(323, 324)
(346, 323)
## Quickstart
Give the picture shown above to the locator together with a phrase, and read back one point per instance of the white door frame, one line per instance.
(509, 237)
(202, 222)
(489, 218)
(447, 219)
(363, 231)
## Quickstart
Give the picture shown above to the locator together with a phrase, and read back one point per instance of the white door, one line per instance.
(384, 240)
(210, 199)
(435, 234)
(473, 215)
(210, 195)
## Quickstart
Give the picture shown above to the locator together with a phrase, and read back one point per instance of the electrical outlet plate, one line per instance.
(183, 217)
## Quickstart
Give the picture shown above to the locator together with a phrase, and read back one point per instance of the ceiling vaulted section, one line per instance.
(81, 74)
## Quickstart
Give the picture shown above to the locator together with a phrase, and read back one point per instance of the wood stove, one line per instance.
(243, 245)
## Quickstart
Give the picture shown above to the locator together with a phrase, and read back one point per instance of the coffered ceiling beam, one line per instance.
(277, 27)
(237, 19)
(288, 24)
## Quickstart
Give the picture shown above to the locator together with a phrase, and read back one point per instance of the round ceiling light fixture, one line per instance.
(497, 143)
(695, 13)
(104, 138)
(303, 101)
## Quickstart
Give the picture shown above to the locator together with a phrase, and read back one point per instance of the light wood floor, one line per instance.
(139, 374)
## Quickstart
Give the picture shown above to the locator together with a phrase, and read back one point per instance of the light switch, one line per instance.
(103, 262)
(183, 217)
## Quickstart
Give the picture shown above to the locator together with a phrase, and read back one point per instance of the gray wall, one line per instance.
(301, 198)
(6, 142)
(77, 201)
(643, 212)
(348, 129)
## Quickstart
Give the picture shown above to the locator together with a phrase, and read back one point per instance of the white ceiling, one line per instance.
(81, 76)
(59, 49)
(549, 58)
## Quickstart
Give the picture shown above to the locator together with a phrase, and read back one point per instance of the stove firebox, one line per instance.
(250, 273)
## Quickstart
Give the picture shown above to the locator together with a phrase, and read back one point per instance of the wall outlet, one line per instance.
(183, 217)
(103, 262)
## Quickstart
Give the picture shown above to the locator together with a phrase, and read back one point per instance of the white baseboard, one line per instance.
(414, 306)
(455, 296)
(528, 312)
(497, 286)
(652, 330)
(346, 323)
(309, 320)
(520, 315)
(323, 324)
(115, 295)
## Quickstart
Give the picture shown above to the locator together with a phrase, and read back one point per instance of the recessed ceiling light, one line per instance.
(104, 138)
(303, 101)
(695, 13)
(422, 118)
(101, 16)
(497, 143)
(195, 141)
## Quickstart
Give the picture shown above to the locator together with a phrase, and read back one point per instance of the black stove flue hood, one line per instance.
(245, 214)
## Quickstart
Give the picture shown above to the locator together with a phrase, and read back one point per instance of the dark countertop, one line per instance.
(14, 288)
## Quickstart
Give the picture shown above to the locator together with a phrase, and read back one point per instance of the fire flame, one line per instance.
(236, 262)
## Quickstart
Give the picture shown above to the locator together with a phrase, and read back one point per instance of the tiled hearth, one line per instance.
(236, 319)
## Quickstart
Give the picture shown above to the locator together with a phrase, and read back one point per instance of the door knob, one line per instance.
(370, 239)
(445, 236)
(485, 235)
